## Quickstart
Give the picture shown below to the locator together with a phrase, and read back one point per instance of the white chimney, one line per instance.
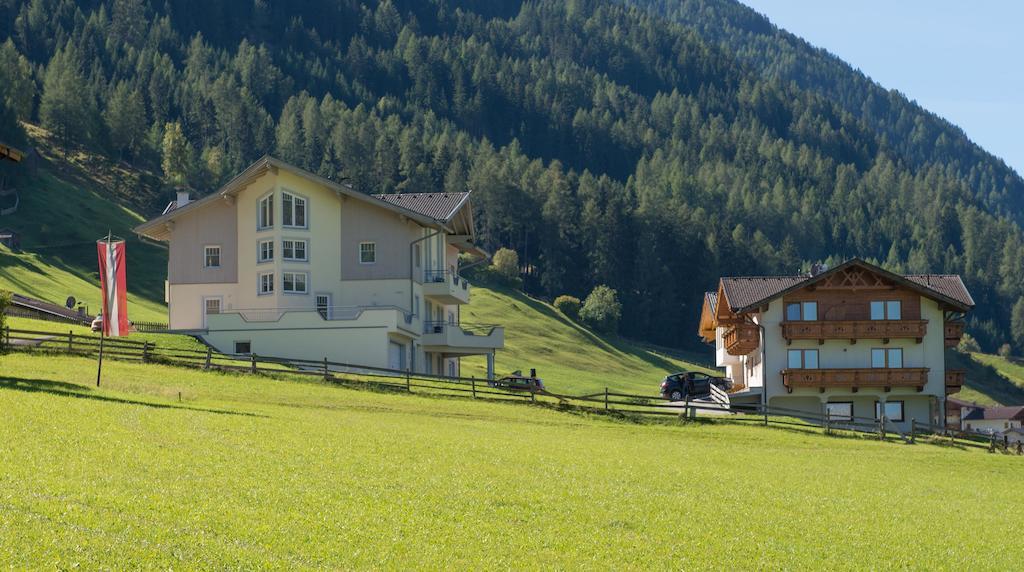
(183, 198)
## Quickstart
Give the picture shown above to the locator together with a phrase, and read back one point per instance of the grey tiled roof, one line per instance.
(949, 285)
(439, 206)
(744, 291)
(747, 291)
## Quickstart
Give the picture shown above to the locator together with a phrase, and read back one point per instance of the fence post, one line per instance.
(209, 357)
(913, 431)
(326, 375)
(5, 338)
(71, 341)
(881, 427)
(252, 366)
(408, 381)
(992, 444)
(765, 409)
(472, 380)
(145, 352)
(828, 424)
(1006, 443)
(606, 399)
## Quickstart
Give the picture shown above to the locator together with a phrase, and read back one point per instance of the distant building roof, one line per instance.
(1015, 412)
(745, 292)
(439, 206)
(8, 152)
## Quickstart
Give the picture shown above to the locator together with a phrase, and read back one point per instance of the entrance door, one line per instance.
(396, 355)
(210, 306)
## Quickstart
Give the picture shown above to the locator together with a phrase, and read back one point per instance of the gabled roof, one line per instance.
(268, 163)
(1015, 412)
(744, 293)
(439, 206)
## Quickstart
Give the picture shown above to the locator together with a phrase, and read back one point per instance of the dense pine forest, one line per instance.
(649, 145)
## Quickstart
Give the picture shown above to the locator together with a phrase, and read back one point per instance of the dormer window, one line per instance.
(265, 212)
(293, 211)
(886, 310)
(801, 311)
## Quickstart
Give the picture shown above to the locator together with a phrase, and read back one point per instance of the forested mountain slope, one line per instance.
(651, 148)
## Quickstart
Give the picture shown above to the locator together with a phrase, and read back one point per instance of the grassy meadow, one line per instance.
(252, 472)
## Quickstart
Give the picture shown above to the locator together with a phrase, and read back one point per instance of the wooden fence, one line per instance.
(606, 402)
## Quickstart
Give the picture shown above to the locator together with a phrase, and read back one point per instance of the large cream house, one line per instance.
(281, 262)
(853, 341)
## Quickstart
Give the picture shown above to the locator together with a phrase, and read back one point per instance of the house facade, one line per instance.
(996, 420)
(281, 262)
(852, 341)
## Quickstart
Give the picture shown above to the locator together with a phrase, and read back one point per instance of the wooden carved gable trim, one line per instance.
(854, 278)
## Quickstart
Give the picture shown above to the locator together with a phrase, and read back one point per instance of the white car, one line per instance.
(97, 324)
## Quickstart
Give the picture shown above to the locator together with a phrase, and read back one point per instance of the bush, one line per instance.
(968, 344)
(568, 305)
(1004, 351)
(602, 310)
(5, 301)
(506, 263)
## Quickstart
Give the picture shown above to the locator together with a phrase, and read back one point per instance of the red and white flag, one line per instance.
(114, 287)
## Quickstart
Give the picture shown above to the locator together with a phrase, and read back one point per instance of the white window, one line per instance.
(887, 357)
(210, 306)
(293, 249)
(886, 310)
(243, 347)
(293, 210)
(802, 359)
(323, 305)
(801, 311)
(265, 210)
(266, 250)
(839, 410)
(893, 410)
(211, 258)
(367, 252)
(293, 282)
(266, 283)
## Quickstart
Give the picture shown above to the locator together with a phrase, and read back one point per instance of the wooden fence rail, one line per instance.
(606, 402)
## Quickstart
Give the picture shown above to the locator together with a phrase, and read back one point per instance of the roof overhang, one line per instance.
(159, 227)
(896, 278)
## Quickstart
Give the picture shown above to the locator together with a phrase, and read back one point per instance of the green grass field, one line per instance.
(249, 472)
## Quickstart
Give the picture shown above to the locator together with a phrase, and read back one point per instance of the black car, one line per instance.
(691, 384)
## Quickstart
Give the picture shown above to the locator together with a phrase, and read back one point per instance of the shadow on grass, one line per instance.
(62, 389)
(986, 379)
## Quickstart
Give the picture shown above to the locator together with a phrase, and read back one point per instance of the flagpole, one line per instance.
(103, 325)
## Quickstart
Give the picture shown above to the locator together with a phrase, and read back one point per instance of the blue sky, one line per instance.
(963, 60)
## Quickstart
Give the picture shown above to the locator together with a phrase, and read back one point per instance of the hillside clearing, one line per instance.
(252, 472)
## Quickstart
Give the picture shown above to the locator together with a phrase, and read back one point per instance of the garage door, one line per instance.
(396, 355)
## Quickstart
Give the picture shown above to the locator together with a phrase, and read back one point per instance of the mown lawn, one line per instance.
(249, 472)
(569, 357)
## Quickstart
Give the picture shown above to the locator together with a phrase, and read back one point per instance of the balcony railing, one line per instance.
(741, 339)
(331, 313)
(446, 286)
(854, 330)
(855, 378)
(955, 379)
(953, 331)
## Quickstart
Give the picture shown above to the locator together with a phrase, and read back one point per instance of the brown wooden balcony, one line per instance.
(955, 379)
(855, 378)
(741, 339)
(854, 330)
(953, 331)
